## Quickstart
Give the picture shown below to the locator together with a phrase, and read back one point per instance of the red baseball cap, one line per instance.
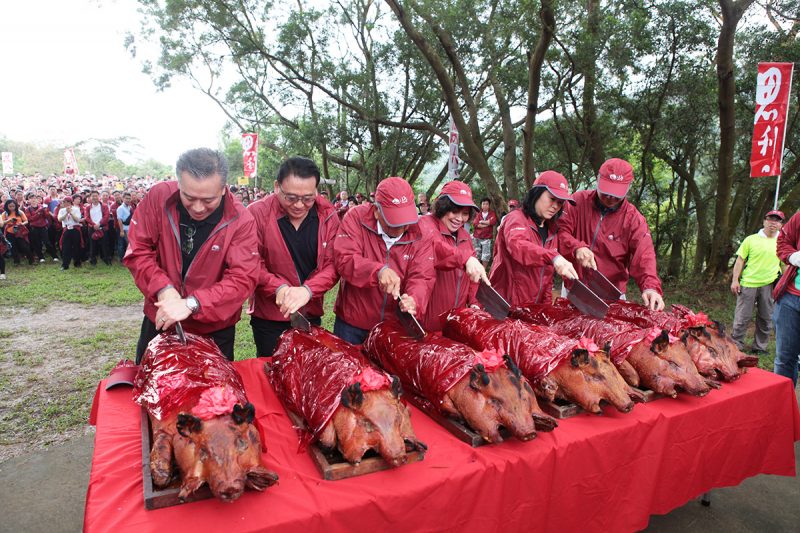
(556, 184)
(776, 213)
(67, 199)
(394, 198)
(513, 203)
(615, 177)
(459, 193)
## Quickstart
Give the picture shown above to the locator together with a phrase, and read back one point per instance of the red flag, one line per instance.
(769, 127)
(250, 154)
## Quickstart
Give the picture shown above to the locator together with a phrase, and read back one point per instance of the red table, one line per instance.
(593, 473)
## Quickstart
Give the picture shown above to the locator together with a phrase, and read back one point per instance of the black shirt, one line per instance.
(195, 232)
(542, 226)
(302, 242)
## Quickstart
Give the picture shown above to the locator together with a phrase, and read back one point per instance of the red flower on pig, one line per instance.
(371, 379)
(588, 344)
(693, 320)
(490, 359)
(214, 402)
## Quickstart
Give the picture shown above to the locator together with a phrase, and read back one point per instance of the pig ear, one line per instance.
(352, 396)
(512, 366)
(579, 357)
(478, 377)
(607, 348)
(397, 388)
(187, 424)
(243, 414)
(660, 343)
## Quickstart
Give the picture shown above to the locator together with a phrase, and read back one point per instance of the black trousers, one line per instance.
(267, 332)
(99, 246)
(223, 339)
(20, 247)
(53, 235)
(40, 239)
(71, 247)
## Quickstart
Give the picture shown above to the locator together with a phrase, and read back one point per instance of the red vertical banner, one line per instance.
(70, 162)
(250, 154)
(769, 127)
(452, 160)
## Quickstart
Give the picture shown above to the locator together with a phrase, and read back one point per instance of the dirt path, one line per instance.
(50, 363)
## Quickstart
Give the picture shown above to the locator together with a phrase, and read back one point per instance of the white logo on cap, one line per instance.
(616, 177)
(562, 185)
(395, 200)
(462, 191)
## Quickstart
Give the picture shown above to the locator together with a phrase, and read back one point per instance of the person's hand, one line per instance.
(171, 311)
(585, 257)
(736, 289)
(389, 282)
(170, 293)
(292, 299)
(475, 271)
(653, 300)
(408, 304)
(564, 268)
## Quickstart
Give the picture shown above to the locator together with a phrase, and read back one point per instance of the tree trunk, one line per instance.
(679, 232)
(535, 62)
(509, 141)
(594, 144)
(720, 245)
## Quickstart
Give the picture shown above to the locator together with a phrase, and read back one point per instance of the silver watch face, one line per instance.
(192, 303)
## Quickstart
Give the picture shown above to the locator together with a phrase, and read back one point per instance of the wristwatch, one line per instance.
(192, 304)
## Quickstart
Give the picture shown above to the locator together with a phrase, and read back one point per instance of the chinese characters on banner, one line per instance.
(769, 128)
(452, 160)
(8, 163)
(250, 154)
(70, 163)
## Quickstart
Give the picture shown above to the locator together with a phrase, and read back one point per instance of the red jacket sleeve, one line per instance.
(348, 255)
(643, 259)
(567, 243)
(522, 249)
(788, 238)
(325, 276)
(421, 275)
(443, 251)
(492, 219)
(140, 257)
(267, 283)
(224, 298)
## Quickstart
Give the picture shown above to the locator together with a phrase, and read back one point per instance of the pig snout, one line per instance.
(589, 379)
(228, 491)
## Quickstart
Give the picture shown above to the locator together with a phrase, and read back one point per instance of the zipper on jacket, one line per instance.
(460, 273)
(385, 296)
(596, 231)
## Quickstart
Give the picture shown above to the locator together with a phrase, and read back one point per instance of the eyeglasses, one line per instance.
(188, 244)
(307, 199)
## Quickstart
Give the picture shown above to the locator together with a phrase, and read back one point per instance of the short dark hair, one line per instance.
(529, 204)
(202, 163)
(302, 167)
(484, 199)
(444, 205)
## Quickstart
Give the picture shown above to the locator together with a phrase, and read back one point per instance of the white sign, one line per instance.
(8, 163)
(452, 159)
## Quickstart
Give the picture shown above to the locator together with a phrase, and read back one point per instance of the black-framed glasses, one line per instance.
(188, 243)
(307, 199)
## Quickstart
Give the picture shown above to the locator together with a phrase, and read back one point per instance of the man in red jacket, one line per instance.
(193, 252)
(786, 315)
(96, 215)
(605, 232)
(483, 231)
(296, 228)
(382, 257)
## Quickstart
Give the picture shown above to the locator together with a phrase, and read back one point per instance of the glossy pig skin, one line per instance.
(719, 355)
(224, 452)
(666, 368)
(373, 420)
(489, 400)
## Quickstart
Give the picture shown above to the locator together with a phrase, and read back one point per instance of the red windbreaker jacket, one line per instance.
(523, 266)
(788, 243)
(222, 274)
(620, 240)
(87, 215)
(488, 231)
(277, 267)
(359, 253)
(453, 288)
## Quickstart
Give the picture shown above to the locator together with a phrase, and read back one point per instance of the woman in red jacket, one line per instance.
(526, 249)
(458, 270)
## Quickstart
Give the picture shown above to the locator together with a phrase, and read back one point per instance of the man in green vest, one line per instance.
(756, 269)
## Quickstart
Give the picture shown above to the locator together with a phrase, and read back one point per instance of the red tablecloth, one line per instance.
(593, 473)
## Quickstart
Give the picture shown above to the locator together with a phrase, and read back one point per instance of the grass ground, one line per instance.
(61, 332)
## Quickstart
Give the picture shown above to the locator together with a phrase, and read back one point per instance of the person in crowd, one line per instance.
(383, 261)
(39, 218)
(755, 271)
(124, 215)
(526, 251)
(458, 271)
(193, 252)
(483, 230)
(786, 315)
(96, 216)
(296, 229)
(512, 205)
(15, 228)
(423, 208)
(371, 199)
(342, 204)
(69, 216)
(605, 232)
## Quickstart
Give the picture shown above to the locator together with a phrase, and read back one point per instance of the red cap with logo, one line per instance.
(776, 213)
(556, 184)
(459, 193)
(394, 198)
(615, 178)
(513, 203)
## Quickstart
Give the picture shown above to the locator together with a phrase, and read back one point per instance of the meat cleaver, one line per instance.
(600, 285)
(586, 301)
(490, 299)
(410, 324)
(298, 321)
(181, 334)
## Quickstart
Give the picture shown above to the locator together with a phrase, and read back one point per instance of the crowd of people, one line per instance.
(198, 249)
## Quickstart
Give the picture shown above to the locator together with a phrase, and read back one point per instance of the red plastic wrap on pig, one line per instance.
(173, 375)
(310, 370)
(537, 350)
